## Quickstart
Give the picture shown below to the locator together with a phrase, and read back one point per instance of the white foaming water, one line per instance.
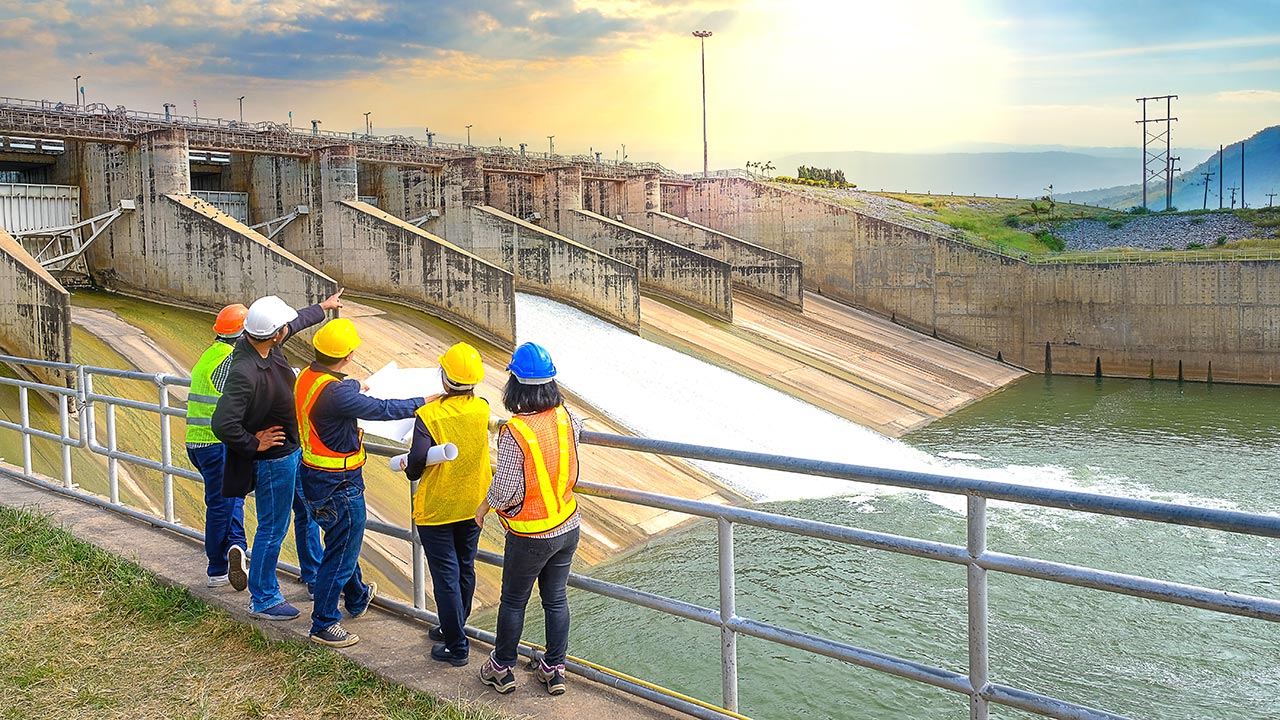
(660, 393)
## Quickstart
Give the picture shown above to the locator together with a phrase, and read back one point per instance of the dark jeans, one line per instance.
(342, 516)
(451, 558)
(523, 561)
(277, 494)
(223, 517)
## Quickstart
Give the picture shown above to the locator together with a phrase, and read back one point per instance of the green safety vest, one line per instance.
(203, 397)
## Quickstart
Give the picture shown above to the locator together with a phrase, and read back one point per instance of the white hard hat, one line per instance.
(267, 315)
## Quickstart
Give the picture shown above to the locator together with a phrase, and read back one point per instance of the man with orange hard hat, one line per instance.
(223, 516)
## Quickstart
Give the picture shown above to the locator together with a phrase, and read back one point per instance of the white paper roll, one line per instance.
(436, 455)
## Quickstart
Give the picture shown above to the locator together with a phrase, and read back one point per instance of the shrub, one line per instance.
(1195, 246)
(1011, 221)
(1139, 210)
(1166, 247)
(1222, 240)
(1115, 224)
(1054, 243)
(1197, 220)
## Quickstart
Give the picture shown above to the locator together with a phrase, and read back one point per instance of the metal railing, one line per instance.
(974, 682)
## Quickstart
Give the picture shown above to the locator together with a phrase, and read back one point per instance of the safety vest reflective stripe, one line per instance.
(314, 452)
(554, 502)
(203, 397)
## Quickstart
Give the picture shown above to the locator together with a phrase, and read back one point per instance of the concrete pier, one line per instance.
(756, 270)
(37, 318)
(380, 255)
(178, 248)
(673, 271)
(552, 265)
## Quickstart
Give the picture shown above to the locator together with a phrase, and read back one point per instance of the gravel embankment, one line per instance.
(1156, 232)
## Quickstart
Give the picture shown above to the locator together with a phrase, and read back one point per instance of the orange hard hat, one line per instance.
(230, 322)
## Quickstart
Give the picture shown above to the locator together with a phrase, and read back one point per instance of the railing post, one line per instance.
(166, 452)
(64, 427)
(25, 410)
(728, 638)
(978, 645)
(419, 558)
(113, 465)
(88, 418)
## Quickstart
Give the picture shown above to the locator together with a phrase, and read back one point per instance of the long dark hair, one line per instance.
(524, 399)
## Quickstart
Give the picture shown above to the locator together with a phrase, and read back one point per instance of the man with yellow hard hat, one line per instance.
(223, 516)
(328, 405)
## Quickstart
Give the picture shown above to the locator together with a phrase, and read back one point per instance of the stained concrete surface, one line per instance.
(392, 646)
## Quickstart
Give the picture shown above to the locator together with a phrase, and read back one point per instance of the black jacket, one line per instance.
(258, 395)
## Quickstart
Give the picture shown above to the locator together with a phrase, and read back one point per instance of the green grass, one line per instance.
(1000, 220)
(89, 635)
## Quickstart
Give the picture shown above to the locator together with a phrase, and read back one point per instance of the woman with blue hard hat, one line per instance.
(532, 493)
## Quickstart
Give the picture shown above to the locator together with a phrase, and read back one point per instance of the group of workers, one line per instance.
(254, 426)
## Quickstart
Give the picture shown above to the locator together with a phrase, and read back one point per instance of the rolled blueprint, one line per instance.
(436, 455)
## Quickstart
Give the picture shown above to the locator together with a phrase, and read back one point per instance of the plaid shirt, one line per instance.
(507, 491)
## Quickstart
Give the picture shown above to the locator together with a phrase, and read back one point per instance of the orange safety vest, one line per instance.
(550, 471)
(314, 453)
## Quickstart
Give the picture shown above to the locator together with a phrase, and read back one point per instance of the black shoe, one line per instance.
(436, 633)
(335, 636)
(441, 652)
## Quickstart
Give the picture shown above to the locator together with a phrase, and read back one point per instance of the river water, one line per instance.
(1204, 445)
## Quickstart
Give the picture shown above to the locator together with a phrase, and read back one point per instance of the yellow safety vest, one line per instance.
(450, 492)
(203, 397)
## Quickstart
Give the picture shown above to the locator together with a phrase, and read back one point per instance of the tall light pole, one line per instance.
(241, 108)
(702, 36)
(78, 90)
(468, 136)
(367, 126)
(551, 146)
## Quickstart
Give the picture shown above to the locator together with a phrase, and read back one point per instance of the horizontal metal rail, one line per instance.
(975, 557)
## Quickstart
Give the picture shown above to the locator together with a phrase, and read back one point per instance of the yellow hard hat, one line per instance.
(462, 365)
(337, 338)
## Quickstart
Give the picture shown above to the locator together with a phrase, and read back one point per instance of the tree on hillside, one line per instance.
(1048, 198)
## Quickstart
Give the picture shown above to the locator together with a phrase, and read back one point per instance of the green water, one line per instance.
(1197, 444)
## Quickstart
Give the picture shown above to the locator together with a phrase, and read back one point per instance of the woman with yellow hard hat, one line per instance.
(331, 475)
(447, 495)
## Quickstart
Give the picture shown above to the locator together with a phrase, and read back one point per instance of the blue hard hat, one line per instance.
(531, 364)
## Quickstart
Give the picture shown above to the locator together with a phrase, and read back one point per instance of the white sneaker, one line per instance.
(238, 575)
(218, 581)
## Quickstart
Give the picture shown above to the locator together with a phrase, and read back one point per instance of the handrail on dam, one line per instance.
(974, 682)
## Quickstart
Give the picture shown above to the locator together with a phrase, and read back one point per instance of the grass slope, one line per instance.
(88, 635)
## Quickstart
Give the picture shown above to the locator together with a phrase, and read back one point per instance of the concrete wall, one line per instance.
(673, 198)
(464, 188)
(555, 266)
(757, 270)
(379, 254)
(276, 185)
(603, 197)
(516, 194)
(667, 269)
(1134, 320)
(407, 192)
(37, 318)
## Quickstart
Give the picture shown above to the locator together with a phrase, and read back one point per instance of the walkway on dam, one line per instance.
(392, 646)
(851, 363)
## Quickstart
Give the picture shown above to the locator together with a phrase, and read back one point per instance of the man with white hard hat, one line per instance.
(255, 419)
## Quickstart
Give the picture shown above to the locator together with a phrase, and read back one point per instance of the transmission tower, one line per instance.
(1157, 161)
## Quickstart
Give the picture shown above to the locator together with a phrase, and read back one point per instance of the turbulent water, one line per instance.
(1202, 445)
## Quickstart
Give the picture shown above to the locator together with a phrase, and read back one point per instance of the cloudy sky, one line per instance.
(782, 75)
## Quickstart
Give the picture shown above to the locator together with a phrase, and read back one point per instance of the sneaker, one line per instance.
(238, 572)
(436, 633)
(311, 591)
(441, 652)
(550, 675)
(280, 611)
(217, 581)
(497, 677)
(335, 636)
(373, 592)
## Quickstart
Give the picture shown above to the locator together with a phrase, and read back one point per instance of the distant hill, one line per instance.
(1262, 176)
(1007, 174)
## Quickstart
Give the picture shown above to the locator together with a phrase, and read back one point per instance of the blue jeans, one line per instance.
(277, 495)
(524, 560)
(451, 558)
(223, 517)
(342, 515)
(306, 538)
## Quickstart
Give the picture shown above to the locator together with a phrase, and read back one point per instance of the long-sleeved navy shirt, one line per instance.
(258, 395)
(333, 419)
